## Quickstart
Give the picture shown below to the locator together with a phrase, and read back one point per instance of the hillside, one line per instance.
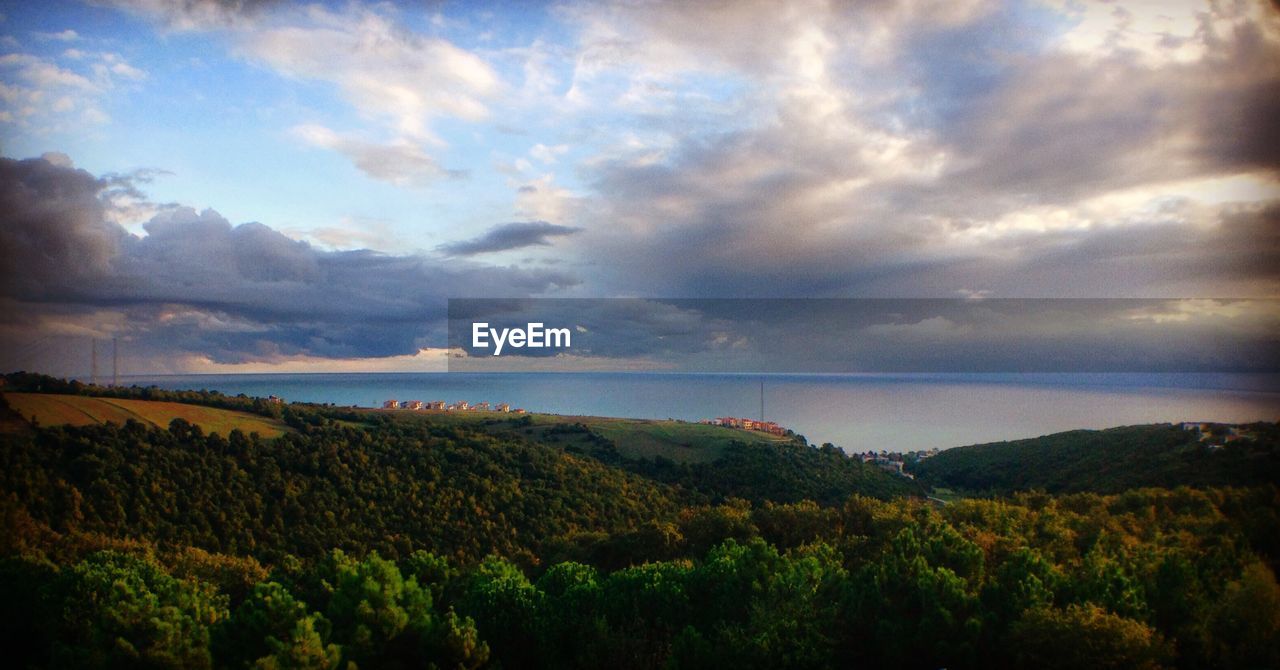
(1107, 461)
(704, 463)
(48, 409)
(392, 488)
(678, 441)
(712, 462)
(462, 484)
(374, 539)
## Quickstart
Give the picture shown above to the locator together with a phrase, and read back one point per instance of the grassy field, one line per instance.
(635, 438)
(48, 409)
(676, 440)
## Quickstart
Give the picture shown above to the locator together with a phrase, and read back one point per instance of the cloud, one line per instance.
(659, 46)
(53, 232)
(897, 155)
(190, 15)
(402, 163)
(67, 35)
(195, 284)
(386, 73)
(509, 236)
(399, 80)
(38, 93)
(548, 155)
(898, 148)
(349, 233)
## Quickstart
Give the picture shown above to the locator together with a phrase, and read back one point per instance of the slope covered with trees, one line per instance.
(1108, 461)
(1150, 578)
(364, 541)
(758, 469)
(389, 488)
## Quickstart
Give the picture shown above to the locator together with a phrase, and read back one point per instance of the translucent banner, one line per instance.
(864, 335)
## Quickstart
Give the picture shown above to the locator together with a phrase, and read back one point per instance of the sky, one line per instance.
(240, 186)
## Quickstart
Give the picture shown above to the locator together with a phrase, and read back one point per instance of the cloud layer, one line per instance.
(890, 154)
(196, 283)
(904, 148)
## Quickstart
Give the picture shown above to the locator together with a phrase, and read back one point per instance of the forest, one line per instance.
(360, 542)
(1112, 461)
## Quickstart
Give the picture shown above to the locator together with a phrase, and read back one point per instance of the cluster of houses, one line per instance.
(1217, 435)
(747, 424)
(894, 461)
(442, 406)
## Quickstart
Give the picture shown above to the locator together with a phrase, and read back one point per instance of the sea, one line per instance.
(857, 412)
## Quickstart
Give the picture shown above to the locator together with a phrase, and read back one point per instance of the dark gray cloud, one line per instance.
(53, 232)
(197, 285)
(1063, 127)
(509, 236)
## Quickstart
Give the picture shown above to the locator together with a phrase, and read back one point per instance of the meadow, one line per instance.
(48, 410)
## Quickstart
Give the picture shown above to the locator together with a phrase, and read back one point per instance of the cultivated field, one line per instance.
(49, 409)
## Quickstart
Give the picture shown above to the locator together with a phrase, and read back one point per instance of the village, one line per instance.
(442, 406)
(893, 461)
(1215, 436)
(747, 424)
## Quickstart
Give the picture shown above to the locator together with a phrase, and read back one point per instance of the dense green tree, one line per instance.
(910, 612)
(646, 606)
(383, 620)
(1024, 581)
(394, 489)
(573, 631)
(505, 606)
(707, 527)
(117, 610)
(303, 648)
(273, 627)
(1245, 624)
(1084, 636)
(789, 525)
(760, 608)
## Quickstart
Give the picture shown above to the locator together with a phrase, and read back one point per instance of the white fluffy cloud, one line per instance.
(397, 80)
(41, 93)
(385, 72)
(400, 162)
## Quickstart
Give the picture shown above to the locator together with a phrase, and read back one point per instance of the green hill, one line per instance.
(711, 462)
(391, 488)
(388, 540)
(1109, 461)
(678, 441)
(460, 484)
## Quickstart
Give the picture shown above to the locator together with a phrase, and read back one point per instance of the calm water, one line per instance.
(856, 412)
